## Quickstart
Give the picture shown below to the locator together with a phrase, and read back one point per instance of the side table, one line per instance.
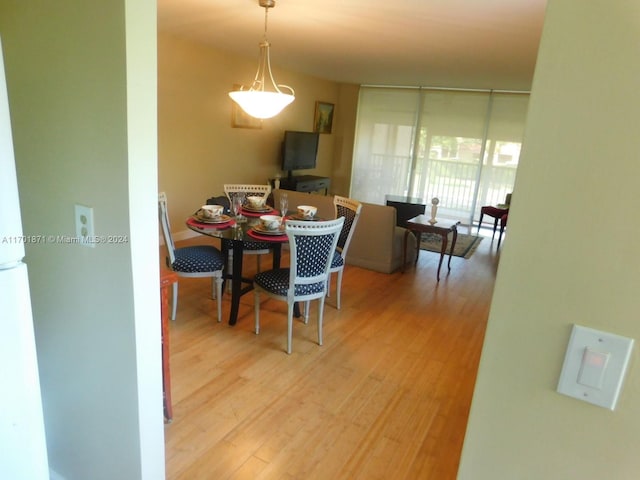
(167, 279)
(418, 225)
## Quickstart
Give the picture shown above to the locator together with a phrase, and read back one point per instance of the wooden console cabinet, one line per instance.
(306, 183)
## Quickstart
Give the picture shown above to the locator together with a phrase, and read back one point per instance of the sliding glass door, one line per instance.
(460, 146)
(385, 132)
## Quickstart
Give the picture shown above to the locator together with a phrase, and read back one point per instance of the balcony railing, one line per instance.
(453, 181)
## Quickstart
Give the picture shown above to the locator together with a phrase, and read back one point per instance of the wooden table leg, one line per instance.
(404, 251)
(454, 239)
(443, 249)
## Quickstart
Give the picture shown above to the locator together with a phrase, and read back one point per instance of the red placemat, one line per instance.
(267, 238)
(195, 223)
(249, 213)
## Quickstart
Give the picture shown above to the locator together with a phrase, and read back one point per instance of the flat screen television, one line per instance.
(299, 150)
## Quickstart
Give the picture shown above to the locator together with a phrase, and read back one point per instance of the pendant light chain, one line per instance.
(266, 14)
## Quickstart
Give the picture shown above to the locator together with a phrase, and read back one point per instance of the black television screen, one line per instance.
(299, 150)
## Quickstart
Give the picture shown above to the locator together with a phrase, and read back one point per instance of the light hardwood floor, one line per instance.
(386, 397)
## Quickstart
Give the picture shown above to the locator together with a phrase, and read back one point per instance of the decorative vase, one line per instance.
(434, 209)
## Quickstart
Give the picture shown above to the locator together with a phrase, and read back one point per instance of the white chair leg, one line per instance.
(289, 327)
(339, 288)
(320, 314)
(305, 313)
(256, 309)
(329, 285)
(218, 282)
(174, 305)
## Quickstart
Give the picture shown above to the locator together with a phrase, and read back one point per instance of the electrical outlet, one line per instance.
(84, 226)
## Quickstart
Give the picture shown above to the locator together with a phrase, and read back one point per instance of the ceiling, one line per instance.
(487, 44)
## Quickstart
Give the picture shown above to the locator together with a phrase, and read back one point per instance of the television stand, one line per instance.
(305, 183)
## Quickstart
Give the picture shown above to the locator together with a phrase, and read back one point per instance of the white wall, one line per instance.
(570, 256)
(81, 80)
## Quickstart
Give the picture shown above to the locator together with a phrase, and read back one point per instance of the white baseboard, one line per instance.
(184, 235)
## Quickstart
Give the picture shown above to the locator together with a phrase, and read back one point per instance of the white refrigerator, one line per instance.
(23, 451)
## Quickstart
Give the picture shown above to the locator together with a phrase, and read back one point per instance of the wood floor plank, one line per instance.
(387, 396)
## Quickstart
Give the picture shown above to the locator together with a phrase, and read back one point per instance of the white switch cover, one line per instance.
(594, 366)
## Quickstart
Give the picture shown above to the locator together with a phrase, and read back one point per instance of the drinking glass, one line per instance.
(236, 205)
(284, 204)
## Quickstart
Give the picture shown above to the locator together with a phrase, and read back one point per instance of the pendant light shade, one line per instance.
(258, 101)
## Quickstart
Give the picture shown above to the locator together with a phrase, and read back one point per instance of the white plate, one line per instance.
(297, 216)
(220, 219)
(265, 209)
(263, 231)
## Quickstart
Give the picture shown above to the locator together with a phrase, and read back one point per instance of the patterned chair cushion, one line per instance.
(199, 258)
(311, 250)
(277, 282)
(349, 216)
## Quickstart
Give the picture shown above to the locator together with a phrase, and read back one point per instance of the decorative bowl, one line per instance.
(307, 211)
(270, 222)
(211, 211)
(256, 202)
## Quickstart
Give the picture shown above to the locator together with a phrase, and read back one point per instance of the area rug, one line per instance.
(465, 244)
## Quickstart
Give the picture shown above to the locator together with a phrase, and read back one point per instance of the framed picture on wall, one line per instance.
(240, 118)
(323, 118)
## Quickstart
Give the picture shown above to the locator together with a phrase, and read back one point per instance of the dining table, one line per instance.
(234, 232)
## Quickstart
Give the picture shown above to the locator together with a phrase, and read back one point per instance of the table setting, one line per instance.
(270, 228)
(252, 205)
(250, 220)
(211, 216)
(265, 222)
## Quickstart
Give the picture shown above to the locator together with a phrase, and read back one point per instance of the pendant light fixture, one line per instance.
(257, 101)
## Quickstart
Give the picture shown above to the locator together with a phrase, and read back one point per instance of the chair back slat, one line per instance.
(350, 210)
(163, 216)
(248, 189)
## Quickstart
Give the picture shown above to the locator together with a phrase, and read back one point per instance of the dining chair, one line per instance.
(311, 247)
(495, 212)
(192, 261)
(350, 210)
(250, 248)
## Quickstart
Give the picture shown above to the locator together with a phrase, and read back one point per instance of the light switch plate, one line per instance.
(586, 346)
